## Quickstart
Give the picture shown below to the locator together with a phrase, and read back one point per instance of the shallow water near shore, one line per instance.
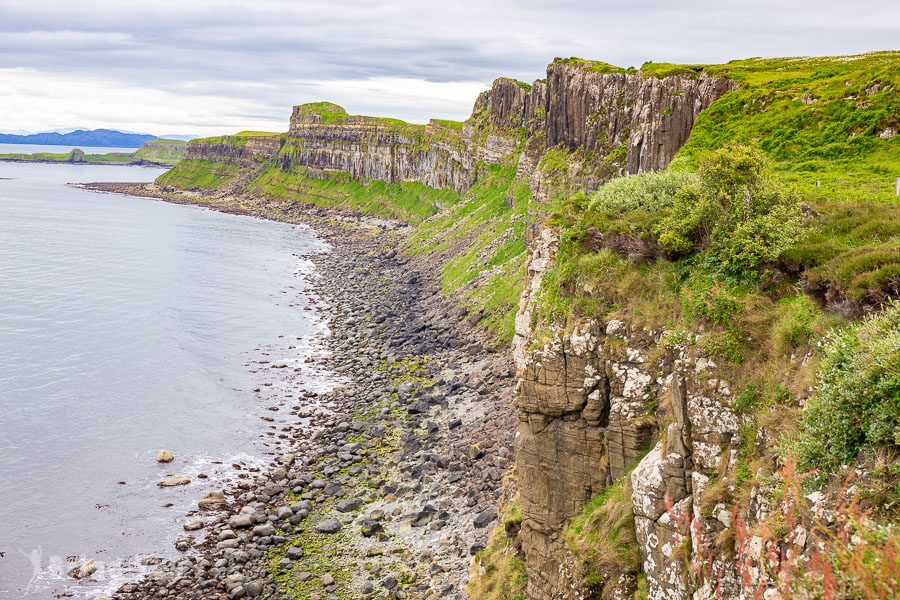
(126, 326)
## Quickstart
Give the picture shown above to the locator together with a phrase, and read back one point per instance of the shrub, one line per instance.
(704, 297)
(647, 191)
(797, 318)
(737, 212)
(857, 400)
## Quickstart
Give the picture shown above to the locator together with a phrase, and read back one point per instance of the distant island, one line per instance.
(158, 152)
(99, 138)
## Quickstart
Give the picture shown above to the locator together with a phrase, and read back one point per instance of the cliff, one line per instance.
(323, 138)
(668, 329)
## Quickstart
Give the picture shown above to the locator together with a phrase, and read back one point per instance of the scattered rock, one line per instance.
(194, 525)
(328, 526)
(83, 571)
(173, 481)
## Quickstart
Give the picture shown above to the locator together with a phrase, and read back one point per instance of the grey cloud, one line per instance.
(267, 51)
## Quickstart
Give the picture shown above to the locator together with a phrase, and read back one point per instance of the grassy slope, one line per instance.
(201, 175)
(819, 119)
(408, 201)
(480, 244)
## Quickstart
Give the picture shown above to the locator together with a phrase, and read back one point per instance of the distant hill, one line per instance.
(102, 138)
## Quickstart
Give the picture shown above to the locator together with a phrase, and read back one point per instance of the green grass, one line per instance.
(595, 66)
(498, 571)
(602, 537)
(480, 243)
(162, 151)
(199, 175)
(238, 139)
(819, 119)
(408, 201)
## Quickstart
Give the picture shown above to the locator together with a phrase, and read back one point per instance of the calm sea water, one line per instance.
(126, 325)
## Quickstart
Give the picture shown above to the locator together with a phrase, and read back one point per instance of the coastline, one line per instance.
(391, 485)
(137, 163)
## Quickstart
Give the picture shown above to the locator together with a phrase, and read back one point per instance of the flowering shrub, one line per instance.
(857, 399)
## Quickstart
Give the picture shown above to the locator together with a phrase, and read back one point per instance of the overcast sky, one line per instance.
(211, 66)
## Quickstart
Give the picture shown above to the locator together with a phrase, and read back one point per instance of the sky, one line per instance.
(206, 67)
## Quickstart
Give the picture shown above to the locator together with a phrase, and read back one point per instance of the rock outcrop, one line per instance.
(650, 117)
(594, 405)
(610, 124)
(243, 151)
(616, 122)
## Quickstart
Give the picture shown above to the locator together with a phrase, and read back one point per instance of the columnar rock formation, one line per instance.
(611, 123)
(371, 148)
(645, 119)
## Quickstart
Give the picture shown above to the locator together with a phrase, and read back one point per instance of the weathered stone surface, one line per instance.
(250, 152)
(591, 403)
(600, 111)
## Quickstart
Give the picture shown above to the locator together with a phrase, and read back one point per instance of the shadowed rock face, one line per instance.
(601, 111)
(579, 109)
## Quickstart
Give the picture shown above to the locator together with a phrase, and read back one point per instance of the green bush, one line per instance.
(737, 212)
(647, 191)
(857, 399)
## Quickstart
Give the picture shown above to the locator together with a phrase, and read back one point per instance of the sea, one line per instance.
(127, 326)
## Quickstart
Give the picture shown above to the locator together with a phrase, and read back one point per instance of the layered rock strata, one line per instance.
(236, 150)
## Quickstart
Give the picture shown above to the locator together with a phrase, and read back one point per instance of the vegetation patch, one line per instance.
(603, 536)
(857, 398)
(199, 175)
(480, 243)
(408, 201)
(498, 571)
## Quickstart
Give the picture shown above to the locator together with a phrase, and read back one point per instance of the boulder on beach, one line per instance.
(164, 456)
(328, 526)
(82, 571)
(173, 481)
(212, 501)
(194, 525)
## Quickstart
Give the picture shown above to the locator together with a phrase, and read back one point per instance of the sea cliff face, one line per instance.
(599, 404)
(240, 150)
(377, 149)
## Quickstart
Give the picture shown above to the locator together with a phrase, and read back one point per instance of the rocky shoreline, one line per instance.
(389, 484)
